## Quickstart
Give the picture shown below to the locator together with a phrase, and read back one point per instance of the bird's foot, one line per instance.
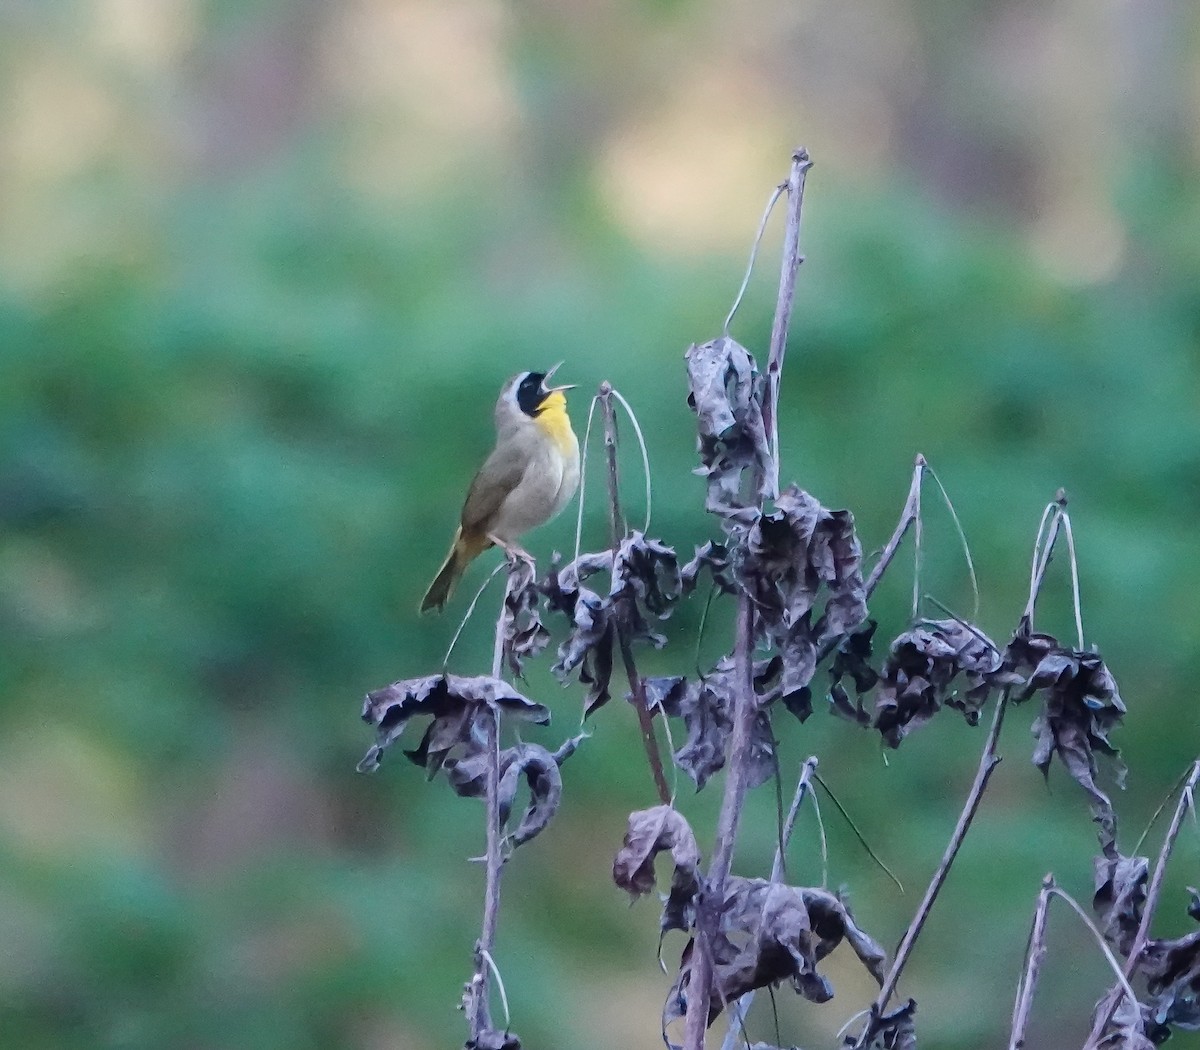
(513, 551)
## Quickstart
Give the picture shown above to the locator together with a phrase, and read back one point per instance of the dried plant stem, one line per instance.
(1106, 1007)
(783, 309)
(762, 226)
(739, 1010)
(637, 687)
(1042, 551)
(910, 514)
(803, 786)
(713, 894)
(987, 763)
(1034, 956)
(476, 998)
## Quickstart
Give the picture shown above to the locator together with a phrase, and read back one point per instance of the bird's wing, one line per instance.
(499, 475)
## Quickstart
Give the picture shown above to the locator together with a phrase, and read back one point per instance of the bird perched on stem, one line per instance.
(530, 476)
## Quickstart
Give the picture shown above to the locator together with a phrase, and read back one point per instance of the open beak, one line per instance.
(553, 389)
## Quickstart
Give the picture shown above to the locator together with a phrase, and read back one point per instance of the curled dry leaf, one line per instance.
(793, 554)
(1080, 706)
(923, 668)
(524, 634)
(589, 647)
(646, 572)
(715, 558)
(492, 1039)
(768, 933)
(540, 768)
(725, 391)
(895, 1030)
(706, 707)
(650, 832)
(455, 703)
(1120, 897)
(1172, 971)
(643, 582)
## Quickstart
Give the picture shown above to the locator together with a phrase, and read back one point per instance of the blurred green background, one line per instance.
(264, 265)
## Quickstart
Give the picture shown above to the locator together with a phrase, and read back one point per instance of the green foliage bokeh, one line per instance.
(234, 434)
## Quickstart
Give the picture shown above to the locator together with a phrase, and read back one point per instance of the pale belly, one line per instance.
(546, 487)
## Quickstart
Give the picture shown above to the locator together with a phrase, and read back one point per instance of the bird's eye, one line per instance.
(529, 392)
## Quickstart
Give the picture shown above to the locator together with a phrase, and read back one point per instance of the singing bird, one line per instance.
(530, 476)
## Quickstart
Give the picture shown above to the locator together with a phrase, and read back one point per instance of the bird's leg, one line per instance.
(513, 551)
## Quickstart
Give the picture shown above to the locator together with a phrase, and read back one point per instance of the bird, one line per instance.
(531, 474)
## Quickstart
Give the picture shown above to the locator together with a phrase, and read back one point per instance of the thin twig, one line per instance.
(637, 686)
(1177, 786)
(803, 787)
(587, 433)
(637, 430)
(1111, 959)
(470, 611)
(987, 763)
(1034, 955)
(862, 841)
(478, 1012)
(783, 310)
(708, 912)
(762, 226)
(962, 538)
(1134, 959)
(1041, 557)
(910, 514)
(1066, 518)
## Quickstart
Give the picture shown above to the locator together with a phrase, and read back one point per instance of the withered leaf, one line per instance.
(524, 633)
(923, 666)
(1132, 1027)
(715, 558)
(894, 1030)
(562, 583)
(768, 933)
(1172, 971)
(589, 647)
(706, 707)
(455, 703)
(650, 832)
(725, 390)
(1120, 896)
(492, 1039)
(646, 573)
(644, 581)
(468, 777)
(794, 554)
(1080, 706)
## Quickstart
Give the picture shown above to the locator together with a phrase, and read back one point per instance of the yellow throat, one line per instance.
(552, 420)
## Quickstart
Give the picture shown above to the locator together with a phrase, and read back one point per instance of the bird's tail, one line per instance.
(462, 552)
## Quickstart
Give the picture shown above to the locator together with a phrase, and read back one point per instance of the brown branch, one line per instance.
(1105, 1010)
(741, 1008)
(1034, 957)
(476, 996)
(783, 309)
(987, 763)
(713, 894)
(617, 528)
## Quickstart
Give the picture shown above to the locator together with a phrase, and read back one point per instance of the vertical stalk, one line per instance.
(1033, 965)
(616, 533)
(1108, 1005)
(713, 894)
(783, 310)
(477, 998)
